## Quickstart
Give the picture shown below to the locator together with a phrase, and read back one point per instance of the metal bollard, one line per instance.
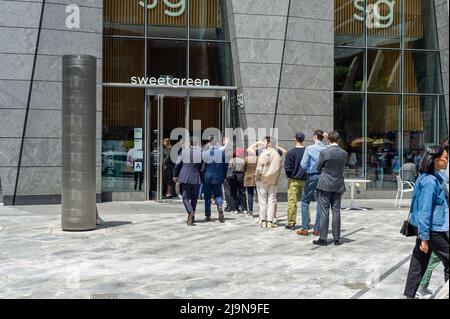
(78, 189)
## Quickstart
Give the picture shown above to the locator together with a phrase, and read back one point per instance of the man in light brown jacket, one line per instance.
(267, 174)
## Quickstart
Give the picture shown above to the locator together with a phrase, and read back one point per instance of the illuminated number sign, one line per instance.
(374, 19)
(180, 5)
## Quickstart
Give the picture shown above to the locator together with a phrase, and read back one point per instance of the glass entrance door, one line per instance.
(163, 115)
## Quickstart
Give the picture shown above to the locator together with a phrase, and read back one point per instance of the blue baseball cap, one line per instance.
(300, 136)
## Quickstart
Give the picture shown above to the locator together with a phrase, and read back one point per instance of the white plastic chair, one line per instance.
(401, 190)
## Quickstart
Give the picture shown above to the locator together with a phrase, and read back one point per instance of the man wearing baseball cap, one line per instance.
(296, 178)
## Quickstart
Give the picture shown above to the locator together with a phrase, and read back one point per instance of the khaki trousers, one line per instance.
(267, 199)
(295, 192)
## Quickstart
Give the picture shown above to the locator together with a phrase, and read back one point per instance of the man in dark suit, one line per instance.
(330, 188)
(188, 174)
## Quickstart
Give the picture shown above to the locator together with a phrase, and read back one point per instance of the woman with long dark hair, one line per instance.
(423, 291)
(429, 217)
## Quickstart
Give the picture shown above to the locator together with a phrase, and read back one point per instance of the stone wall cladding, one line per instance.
(258, 29)
(41, 157)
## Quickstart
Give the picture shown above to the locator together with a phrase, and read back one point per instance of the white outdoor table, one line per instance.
(352, 183)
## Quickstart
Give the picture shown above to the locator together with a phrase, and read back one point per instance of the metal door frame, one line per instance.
(160, 94)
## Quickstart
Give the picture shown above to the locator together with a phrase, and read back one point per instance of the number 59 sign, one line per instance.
(180, 5)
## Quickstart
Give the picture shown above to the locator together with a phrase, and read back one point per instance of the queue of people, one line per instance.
(315, 172)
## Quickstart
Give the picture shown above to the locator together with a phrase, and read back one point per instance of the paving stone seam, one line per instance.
(382, 277)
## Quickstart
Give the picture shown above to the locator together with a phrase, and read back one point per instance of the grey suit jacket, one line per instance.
(332, 163)
(189, 165)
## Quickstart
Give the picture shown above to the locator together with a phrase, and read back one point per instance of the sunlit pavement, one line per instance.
(145, 250)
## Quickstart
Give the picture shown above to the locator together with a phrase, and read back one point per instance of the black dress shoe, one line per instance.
(337, 243)
(320, 242)
(291, 227)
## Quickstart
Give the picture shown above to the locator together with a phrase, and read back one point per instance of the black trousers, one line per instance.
(138, 176)
(190, 197)
(438, 244)
(237, 193)
(227, 194)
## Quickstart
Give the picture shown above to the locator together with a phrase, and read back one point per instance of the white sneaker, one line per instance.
(263, 224)
(271, 225)
(424, 293)
(275, 221)
(234, 212)
(258, 221)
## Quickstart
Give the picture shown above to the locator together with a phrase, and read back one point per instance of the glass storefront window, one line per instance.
(166, 58)
(122, 59)
(208, 20)
(167, 19)
(383, 137)
(211, 107)
(420, 25)
(348, 69)
(349, 122)
(422, 72)
(171, 25)
(173, 116)
(123, 17)
(123, 140)
(405, 109)
(443, 118)
(419, 131)
(384, 69)
(384, 23)
(211, 61)
(348, 29)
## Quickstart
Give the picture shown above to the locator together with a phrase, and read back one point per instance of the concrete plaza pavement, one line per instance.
(145, 250)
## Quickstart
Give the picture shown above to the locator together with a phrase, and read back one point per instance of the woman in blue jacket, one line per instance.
(429, 216)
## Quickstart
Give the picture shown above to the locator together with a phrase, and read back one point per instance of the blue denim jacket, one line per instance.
(429, 208)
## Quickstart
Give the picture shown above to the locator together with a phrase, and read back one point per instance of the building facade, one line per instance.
(374, 70)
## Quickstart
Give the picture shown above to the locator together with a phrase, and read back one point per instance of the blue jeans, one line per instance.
(309, 195)
(214, 190)
(250, 193)
(200, 192)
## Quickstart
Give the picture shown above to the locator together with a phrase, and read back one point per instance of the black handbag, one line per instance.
(407, 229)
(231, 173)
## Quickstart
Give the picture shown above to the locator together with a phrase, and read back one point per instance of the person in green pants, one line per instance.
(433, 263)
(434, 260)
(296, 176)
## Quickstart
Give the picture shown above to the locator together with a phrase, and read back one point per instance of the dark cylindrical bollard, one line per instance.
(78, 191)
